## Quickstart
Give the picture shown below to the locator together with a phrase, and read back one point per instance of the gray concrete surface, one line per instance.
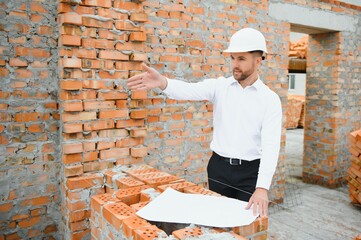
(311, 211)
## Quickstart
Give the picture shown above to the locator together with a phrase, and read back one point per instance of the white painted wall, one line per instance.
(300, 84)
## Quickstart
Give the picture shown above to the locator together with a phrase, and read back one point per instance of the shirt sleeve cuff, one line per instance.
(263, 182)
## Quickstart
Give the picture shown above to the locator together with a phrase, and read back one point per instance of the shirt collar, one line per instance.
(257, 84)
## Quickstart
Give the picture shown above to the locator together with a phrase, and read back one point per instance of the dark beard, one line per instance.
(243, 76)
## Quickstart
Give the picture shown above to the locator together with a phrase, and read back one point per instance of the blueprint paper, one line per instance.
(176, 207)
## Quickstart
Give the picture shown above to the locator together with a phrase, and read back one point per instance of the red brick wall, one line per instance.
(103, 125)
(82, 61)
(29, 139)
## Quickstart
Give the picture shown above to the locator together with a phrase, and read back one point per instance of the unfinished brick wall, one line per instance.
(29, 139)
(113, 215)
(101, 43)
(332, 102)
(103, 125)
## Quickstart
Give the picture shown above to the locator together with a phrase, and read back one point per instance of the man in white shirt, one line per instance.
(247, 120)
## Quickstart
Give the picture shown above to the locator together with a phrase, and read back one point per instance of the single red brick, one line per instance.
(98, 3)
(27, 117)
(67, 117)
(138, 114)
(130, 6)
(81, 234)
(99, 124)
(137, 206)
(18, 62)
(138, 36)
(176, 186)
(4, 140)
(105, 145)
(76, 205)
(36, 128)
(154, 182)
(141, 57)
(78, 215)
(90, 156)
(98, 201)
(72, 148)
(128, 142)
(128, 182)
(29, 222)
(71, 85)
(116, 213)
(107, 34)
(91, 105)
(137, 132)
(97, 166)
(200, 190)
(113, 133)
(72, 158)
(112, 95)
(71, 63)
(72, 127)
(130, 195)
(85, 181)
(70, 18)
(130, 123)
(70, 40)
(114, 153)
(139, 95)
(113, 55)
(70, 171)
(139, 151)
(78, 226)
(97, 84)
(6, 207)
(138, 17)
(149, 233)
(132, 223)
(187, 233)
(123, 113)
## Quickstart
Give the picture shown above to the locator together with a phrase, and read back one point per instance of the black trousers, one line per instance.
(234, 181)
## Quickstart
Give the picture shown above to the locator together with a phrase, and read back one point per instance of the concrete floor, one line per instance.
(311, 211)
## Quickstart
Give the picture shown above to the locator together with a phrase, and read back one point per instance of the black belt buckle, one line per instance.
(234, 161)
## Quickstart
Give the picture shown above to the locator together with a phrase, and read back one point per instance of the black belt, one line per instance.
(233, 161)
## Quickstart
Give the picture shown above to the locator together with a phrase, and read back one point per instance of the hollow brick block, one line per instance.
(154, 182)
(176, 186)
(138, 206)
(116, 213)
(98, 201)
(200, 190)
(148, 233)
(130, 195)
(132, 223)
(128, 182)
(187, 233)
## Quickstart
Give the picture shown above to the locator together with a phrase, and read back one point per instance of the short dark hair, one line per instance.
(258, 53)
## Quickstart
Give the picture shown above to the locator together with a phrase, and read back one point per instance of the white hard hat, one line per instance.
(247, 40)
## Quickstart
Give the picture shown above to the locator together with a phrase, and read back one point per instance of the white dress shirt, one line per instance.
(247, 121)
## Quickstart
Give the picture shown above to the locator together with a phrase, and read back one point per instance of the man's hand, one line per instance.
(259, 200)
(149, 79)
